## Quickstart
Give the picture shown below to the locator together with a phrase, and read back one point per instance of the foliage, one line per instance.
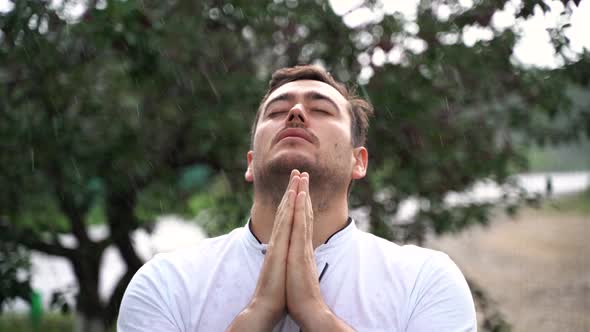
(106, 116)
(14, 273)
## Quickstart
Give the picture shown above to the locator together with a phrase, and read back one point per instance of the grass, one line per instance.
(574, 203)
(51, 322)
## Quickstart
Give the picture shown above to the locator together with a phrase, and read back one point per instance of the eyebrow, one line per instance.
(311, 95)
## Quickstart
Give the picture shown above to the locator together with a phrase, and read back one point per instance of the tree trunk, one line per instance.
(83, 323)
(122, 221)
(90, 310)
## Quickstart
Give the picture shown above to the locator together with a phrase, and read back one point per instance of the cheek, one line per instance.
(341, 135)
(263, 136)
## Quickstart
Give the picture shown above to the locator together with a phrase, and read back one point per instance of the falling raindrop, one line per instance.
(32, 160)
(78, 175)
(55, 129)
(211, 85)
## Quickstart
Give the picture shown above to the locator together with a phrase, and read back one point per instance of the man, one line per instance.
(300, 263)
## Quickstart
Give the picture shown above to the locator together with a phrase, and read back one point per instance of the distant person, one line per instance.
(300, 262)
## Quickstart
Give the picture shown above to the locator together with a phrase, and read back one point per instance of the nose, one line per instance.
(296, 114)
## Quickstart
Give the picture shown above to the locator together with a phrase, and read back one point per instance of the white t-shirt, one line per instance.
(368, 282)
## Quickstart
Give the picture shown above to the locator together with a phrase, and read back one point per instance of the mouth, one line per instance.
(294, 133)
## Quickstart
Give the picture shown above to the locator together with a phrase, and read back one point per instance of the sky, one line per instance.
(533, 49)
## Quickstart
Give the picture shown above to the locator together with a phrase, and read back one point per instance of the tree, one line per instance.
(97, 122)
(107, 116)
(14, 273)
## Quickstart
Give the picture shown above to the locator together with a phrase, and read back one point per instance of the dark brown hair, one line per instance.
(360, 110)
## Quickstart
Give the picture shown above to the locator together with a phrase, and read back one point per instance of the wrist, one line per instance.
(321, 318)
(256, 316)
(264, 312)
(313, 318)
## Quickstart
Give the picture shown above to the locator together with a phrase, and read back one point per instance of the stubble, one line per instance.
(328, 175)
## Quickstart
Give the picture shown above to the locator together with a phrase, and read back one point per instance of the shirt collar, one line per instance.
(339, 237)
(251, 239)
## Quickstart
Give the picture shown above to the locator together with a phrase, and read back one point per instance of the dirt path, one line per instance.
(536, 267)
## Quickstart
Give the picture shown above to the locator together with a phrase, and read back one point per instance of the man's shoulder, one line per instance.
(171, 284)
(432, 282)
(413, 264)
(190, 259)
(404, 255)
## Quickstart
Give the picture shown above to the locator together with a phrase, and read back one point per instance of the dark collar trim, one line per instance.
(340, 230)
(251, 232)
(348, 221)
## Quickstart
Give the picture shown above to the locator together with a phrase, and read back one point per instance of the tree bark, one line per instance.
(89, 307)
(122, 222)
(84, 323)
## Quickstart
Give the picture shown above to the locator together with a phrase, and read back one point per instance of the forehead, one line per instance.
(301, 87)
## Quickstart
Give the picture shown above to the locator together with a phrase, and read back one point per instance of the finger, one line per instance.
(284, 214)
(292, 185)
(297, 244)
(294, 172)
(304, 175)
(304, 186)
(309, 219)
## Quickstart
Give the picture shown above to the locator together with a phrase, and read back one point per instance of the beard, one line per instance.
(326, 177)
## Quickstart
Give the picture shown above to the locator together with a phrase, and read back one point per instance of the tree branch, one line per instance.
(66, 203)
(122, 221)
(29, 239)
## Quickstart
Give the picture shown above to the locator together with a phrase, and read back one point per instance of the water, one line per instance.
(488, 191)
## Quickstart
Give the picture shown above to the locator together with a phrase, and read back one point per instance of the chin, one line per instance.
(286, 163)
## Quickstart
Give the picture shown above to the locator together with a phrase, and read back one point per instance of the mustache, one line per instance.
(298, 125)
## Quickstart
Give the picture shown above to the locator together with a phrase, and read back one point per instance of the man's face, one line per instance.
(305, 125)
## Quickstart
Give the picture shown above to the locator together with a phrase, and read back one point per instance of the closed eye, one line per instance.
(320, 110)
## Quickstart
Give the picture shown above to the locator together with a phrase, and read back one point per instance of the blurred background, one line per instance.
(124, 127)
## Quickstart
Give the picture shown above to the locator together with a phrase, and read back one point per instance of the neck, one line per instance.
(327, 220)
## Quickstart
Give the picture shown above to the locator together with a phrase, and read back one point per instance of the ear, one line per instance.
(361, 161)
(249, 175)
